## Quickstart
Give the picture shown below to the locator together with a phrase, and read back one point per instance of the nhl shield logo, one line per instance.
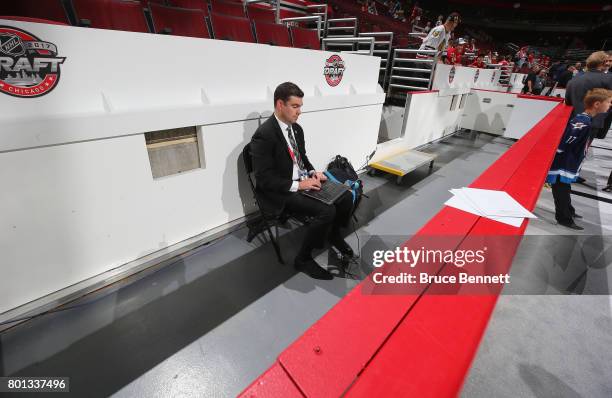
(11, 45)
(333, 70)
(29, 66)
(476, 75)
(451, 75)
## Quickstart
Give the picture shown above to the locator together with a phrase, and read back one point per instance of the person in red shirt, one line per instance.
(530, 59)
(454, 52)
(478, 63)
(460, 50)
(451, 54)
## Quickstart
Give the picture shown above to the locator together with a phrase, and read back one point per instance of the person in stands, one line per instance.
(478, 62)
(572, 150)
(535, 81)
(439, 36)
(454, 52)
(566, 76)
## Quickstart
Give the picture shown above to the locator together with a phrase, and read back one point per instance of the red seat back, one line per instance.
(194, 4)
(227, 8)
(305, 38)
(261, 14)
(51, 10)
(125, 15)
(271, 33)
(231, 28)
(179, 21)
(145, 3)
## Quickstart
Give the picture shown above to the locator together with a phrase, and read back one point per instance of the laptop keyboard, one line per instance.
(330, 191)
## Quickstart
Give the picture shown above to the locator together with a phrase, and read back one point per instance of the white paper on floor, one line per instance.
(495, 205)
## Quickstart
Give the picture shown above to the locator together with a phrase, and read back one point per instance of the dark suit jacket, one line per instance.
(272, 163)
(578, 87)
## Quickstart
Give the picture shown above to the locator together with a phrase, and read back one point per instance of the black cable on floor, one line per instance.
(591, 196)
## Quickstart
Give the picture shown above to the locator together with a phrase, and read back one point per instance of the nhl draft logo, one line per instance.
(451, 75)
(29, 67)
(476, 75)
(334, 69)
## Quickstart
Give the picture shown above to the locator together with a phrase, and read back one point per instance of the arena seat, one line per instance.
(261, 14)
(179, 21)
(193, 4)
(145, 3)
(52, 10)
(125, 15)
(305, 38)
(272, 33)
(226, 27)
(227, 8)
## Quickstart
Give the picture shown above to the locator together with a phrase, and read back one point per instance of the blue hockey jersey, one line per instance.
(572, 150)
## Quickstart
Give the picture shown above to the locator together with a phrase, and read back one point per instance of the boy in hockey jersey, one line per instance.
(571, 153)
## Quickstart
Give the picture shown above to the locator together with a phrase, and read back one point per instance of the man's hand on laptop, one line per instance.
(309, 183)
(320, 176)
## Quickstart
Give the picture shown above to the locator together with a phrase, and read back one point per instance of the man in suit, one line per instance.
(593, 78)
(282, 169)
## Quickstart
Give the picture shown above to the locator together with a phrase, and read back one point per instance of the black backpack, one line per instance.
(340, 170)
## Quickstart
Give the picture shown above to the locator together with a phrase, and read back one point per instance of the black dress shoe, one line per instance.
(342, 246)
(577, 216)
(311, 268)
(572, 225)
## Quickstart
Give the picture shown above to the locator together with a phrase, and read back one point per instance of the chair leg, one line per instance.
(275, 243)
(255, 228)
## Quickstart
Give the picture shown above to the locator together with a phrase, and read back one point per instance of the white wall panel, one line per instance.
(78, 198)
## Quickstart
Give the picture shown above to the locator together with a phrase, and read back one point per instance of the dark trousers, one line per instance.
(323, 219)
(564, 211)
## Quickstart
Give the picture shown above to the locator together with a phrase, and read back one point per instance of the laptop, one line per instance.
(330, 191)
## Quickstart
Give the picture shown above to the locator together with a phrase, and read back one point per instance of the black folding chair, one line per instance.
(266, 219)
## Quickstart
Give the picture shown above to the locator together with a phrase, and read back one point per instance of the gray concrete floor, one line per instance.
(211, 322)
(208, 324)
(554, 339)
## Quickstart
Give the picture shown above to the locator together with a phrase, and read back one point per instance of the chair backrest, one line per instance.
(305, 38)
(179, 21)
(246, 158)
(261, 14)
(227, 8)
(272, 33)
(231, 28)
(145, 3)
(193, 4)
(125, 15)
(51, 10)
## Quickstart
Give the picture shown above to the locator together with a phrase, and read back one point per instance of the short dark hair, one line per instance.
(454, 17)
(286, 90)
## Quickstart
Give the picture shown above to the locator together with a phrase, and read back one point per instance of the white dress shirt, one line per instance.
(296, 169)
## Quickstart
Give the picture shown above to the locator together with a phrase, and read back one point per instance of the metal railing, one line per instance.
(412, 73)
(320, 10)
(275, 4)
(354, 42)
(383, 42)
(312, 18)
(346, 25)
